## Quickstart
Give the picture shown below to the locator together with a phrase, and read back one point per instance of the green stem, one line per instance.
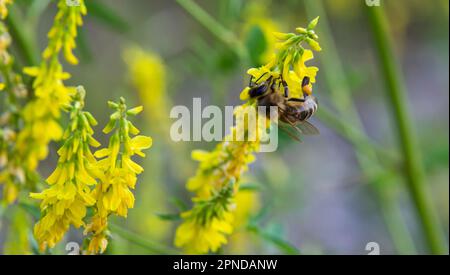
(138, 240)
(397, 97)
(21, 37)
(215, 28)
(367, 157)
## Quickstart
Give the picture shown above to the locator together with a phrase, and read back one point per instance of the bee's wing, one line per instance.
(307, 128)
(294, 136)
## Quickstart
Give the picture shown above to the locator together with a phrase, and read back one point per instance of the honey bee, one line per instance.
(293, 111)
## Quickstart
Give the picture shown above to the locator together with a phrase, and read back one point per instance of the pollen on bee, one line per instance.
(307, 89)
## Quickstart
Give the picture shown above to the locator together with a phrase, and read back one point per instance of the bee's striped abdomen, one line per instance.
(307, 110)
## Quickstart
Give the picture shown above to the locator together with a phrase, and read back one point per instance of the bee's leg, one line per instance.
(272, 87)
(286, 89)
(250, 82)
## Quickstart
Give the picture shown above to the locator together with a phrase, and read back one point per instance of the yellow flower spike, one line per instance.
(4, 8)
(13, 173)
(41, 115)
(113, 194)
(64, 202)
(208, 224)
(205, 226)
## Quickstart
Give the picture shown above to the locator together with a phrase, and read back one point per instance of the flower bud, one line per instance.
(313, 23)
(313, 44)
(301, 30)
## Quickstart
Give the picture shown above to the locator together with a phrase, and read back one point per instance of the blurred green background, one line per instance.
(323, 196)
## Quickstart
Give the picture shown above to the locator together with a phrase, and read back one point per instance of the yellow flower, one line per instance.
(64, 202)
(206, 225)
(41, 114)
(197, 238)
(301, 70)
(4, 8)
(289, 63)
(113, 194)
(63, 33)
(98, 242)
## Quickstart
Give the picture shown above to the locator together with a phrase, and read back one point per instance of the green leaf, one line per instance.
(283, 245)
(248, 186)
(169, 217)
(181, 205)
(35, 9)
(33, 210)
(262, 214)
(256, 44)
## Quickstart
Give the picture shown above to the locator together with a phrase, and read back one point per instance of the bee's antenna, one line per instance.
(286, 89)
(260, 77)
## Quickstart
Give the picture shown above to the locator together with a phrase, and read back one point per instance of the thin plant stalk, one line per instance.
(142, 242)
(23, 39)
(367, 157)
(398, 102)
(217, 29)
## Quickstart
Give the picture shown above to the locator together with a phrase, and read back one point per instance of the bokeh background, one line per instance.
(317, 197)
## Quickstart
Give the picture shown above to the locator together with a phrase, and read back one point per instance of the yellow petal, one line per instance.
(141, 142)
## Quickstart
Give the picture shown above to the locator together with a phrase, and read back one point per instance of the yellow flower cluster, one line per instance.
(113, 193)
(289, 62)
(64, 202)
(206, 225)
(41, 115)
(216, 182)
(4, 8)
(81, 181)
(13, 174)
